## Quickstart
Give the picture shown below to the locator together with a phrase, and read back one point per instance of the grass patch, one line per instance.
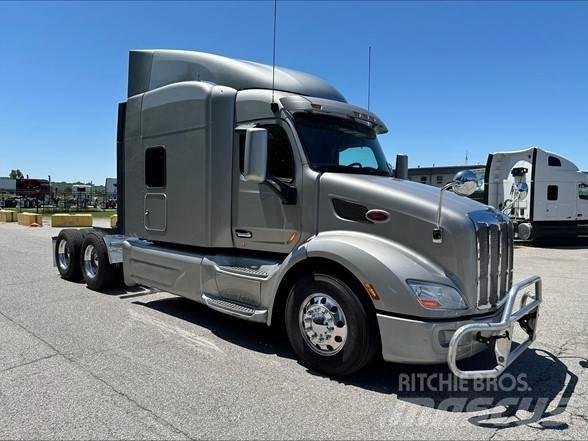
(95, 214)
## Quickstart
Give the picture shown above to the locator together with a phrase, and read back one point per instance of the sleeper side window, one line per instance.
(552, 161)
(552, 192)
(280, 159)
(155, 175)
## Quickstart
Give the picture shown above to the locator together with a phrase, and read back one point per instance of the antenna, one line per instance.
(466, 158)
(369, 76)
(274, 105)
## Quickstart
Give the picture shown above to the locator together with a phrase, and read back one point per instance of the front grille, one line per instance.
(495, 261)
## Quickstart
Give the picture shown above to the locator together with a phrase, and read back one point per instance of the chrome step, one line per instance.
(240, 270)
(240, 310)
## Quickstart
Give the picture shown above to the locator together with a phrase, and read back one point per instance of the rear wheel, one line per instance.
(329, 327)
(67, 254)
(96, 268)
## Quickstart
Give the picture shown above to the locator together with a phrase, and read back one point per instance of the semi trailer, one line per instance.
(557, 204)
(263, 194)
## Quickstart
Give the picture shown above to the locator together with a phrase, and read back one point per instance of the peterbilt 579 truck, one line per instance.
(264, 195)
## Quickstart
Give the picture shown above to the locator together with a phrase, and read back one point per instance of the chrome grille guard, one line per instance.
(526, 316)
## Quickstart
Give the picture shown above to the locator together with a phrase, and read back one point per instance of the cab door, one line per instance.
(582, 209)
(267, 215)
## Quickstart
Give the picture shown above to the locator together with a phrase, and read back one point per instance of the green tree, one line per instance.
(16, 174)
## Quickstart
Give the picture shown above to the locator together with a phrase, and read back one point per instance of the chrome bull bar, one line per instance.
(526, 316)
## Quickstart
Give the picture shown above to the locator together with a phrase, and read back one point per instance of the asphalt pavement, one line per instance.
(135, 364)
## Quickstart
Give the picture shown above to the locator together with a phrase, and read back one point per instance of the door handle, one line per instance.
(146, 212)
(243, 234)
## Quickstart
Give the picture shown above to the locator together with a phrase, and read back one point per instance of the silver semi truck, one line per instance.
(276, 205)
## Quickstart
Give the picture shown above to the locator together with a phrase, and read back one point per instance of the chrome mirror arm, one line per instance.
(437, 232)
(509, 206)
(521, 190)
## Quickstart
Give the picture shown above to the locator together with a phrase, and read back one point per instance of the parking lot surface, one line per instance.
(79, 364)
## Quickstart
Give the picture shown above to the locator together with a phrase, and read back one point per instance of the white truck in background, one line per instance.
(557, 205)
(110, 193)
(82, 194)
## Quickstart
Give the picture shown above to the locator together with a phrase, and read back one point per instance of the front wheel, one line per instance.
(329, 326)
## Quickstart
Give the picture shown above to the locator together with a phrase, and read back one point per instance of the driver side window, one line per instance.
(363, 156)
(280, 159)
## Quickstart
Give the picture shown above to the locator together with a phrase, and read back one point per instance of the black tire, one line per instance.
(67, 254)
(361, 341)
(97, 271)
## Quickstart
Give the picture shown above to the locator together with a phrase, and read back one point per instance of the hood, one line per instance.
(416, 200)
(345, 198)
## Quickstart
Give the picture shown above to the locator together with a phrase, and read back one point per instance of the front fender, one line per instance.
(385, 264)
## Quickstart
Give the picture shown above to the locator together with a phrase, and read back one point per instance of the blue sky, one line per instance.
(447, 77)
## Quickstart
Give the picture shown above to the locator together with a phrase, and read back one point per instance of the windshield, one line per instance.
(338, 145)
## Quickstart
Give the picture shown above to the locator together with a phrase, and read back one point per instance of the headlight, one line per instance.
(433, 296)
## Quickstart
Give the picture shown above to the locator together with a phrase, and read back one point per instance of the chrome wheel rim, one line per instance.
(63, 255)
(91, 261)
(323, 324)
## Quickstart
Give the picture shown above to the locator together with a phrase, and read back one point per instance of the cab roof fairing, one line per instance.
(151, 69)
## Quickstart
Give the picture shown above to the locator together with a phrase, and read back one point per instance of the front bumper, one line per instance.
(407, 340)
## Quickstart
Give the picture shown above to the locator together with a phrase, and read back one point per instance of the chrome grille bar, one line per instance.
(482, 240)
(510, 254)
(499, 284)
(494, 252)
(505, 246)
(493, 263)
(478, 264)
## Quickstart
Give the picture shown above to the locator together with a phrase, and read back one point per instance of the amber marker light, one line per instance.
(292, 237)
(371, 291)
(431, 304)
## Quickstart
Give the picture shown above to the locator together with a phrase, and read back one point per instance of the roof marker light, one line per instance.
(292, 237)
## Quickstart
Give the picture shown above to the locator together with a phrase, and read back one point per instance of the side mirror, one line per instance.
(465, 183)
(255, 159)
(522, 190)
